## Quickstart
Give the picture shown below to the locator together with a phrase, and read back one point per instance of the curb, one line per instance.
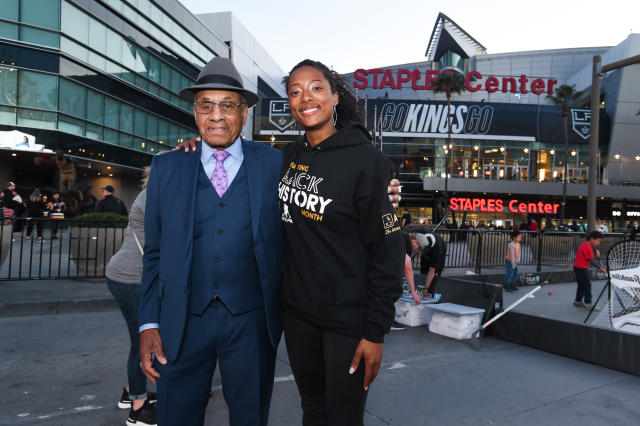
(57, 307)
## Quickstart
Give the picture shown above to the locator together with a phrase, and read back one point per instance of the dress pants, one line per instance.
(246, 357)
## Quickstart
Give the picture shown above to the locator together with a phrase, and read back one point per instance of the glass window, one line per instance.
(7, 115)
(128, 55)
(73, 98)
(165, 78)
(154, 69)
(152, 127)
(38, 90)
(130, 14)
(142, 61)
(140, 123)
(8, 30)
(42, 119)
(111, 113)
(142, 82)
(36, 36)
(111, 136)
(70, 125)
(95, 107)
(116, 4)
(97, 61)
(9, 10)
(126, 140)
(94, 131)
(175, 81)
(74, 49)
(163, 130)
(114, 46)
(174, 135)
(97, 36)
(75, 23)
(154, 88)
(8, 85)
(126, 118)
(43, 13)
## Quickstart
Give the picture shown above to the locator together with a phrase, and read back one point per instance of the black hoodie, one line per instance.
(343, 270)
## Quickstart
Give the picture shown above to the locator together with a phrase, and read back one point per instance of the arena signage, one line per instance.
(428, 119)
(497, 205)
(397, 79)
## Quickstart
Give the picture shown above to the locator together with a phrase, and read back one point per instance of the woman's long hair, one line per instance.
(35, 196)
(347, 108)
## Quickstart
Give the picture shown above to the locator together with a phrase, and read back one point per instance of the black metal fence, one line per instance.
(82, 248)
(478, 249)
(57, 248)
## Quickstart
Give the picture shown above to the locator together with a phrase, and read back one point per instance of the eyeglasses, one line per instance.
(226, 107)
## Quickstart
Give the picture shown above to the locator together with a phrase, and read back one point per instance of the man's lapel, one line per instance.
(192, 164)
(253, 164)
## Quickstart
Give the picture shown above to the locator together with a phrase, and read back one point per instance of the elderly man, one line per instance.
(210, 276)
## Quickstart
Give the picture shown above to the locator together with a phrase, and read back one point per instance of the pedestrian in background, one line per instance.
(512, 261)
(586, 256)
(10, 199)
(56, 209)
(35, 210)
(111, 204)
(124, 275)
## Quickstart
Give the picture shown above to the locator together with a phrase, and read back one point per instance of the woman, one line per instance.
(343, 269)
(124, 274)
(35, 209)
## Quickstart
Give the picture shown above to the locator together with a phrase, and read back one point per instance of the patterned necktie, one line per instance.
(219, 176)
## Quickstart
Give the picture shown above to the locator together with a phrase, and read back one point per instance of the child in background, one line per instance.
(512, 260)
(587, 255)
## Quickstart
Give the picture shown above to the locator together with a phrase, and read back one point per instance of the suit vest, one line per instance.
(224, 263)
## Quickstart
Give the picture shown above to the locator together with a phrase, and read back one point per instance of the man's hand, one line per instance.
(372, 354)
(604, 271)
(394, 192)
(151, 344)
(187, 145)
(416, 298)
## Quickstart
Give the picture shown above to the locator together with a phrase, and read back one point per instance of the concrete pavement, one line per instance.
(69, 369)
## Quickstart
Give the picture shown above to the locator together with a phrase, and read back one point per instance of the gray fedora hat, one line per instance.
(219, 73)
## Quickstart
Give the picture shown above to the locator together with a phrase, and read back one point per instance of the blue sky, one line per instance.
(364, 34)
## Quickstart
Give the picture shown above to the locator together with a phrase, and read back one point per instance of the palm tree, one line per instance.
(448, 82)
(565, 96)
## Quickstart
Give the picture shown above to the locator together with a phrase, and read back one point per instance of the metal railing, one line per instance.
(41, 248)
(478, 249)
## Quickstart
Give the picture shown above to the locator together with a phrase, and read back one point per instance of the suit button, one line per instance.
(221, 204)
(220, 231)
(217, 259)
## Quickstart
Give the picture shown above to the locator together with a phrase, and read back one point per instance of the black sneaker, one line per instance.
(397, 326)
(145, 416)
(125, 401)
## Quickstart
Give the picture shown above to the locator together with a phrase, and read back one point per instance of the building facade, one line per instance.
(98, 81)
(507, 138)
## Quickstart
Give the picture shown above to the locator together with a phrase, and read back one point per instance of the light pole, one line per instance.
(598, 71)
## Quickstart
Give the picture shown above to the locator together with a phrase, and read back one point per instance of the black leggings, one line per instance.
(320, 363)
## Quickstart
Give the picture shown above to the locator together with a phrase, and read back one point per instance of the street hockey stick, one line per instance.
(441, 222)
(474, 342)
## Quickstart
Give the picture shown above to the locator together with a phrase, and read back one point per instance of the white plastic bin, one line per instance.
(455, 321)
(410, 314)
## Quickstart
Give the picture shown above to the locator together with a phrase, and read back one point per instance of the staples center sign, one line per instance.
(497, 205)
(473, 81)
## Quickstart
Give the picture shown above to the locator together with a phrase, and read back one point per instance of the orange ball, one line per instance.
(550, 293)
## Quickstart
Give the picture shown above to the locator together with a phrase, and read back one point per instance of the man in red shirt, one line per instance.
(587, 255)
